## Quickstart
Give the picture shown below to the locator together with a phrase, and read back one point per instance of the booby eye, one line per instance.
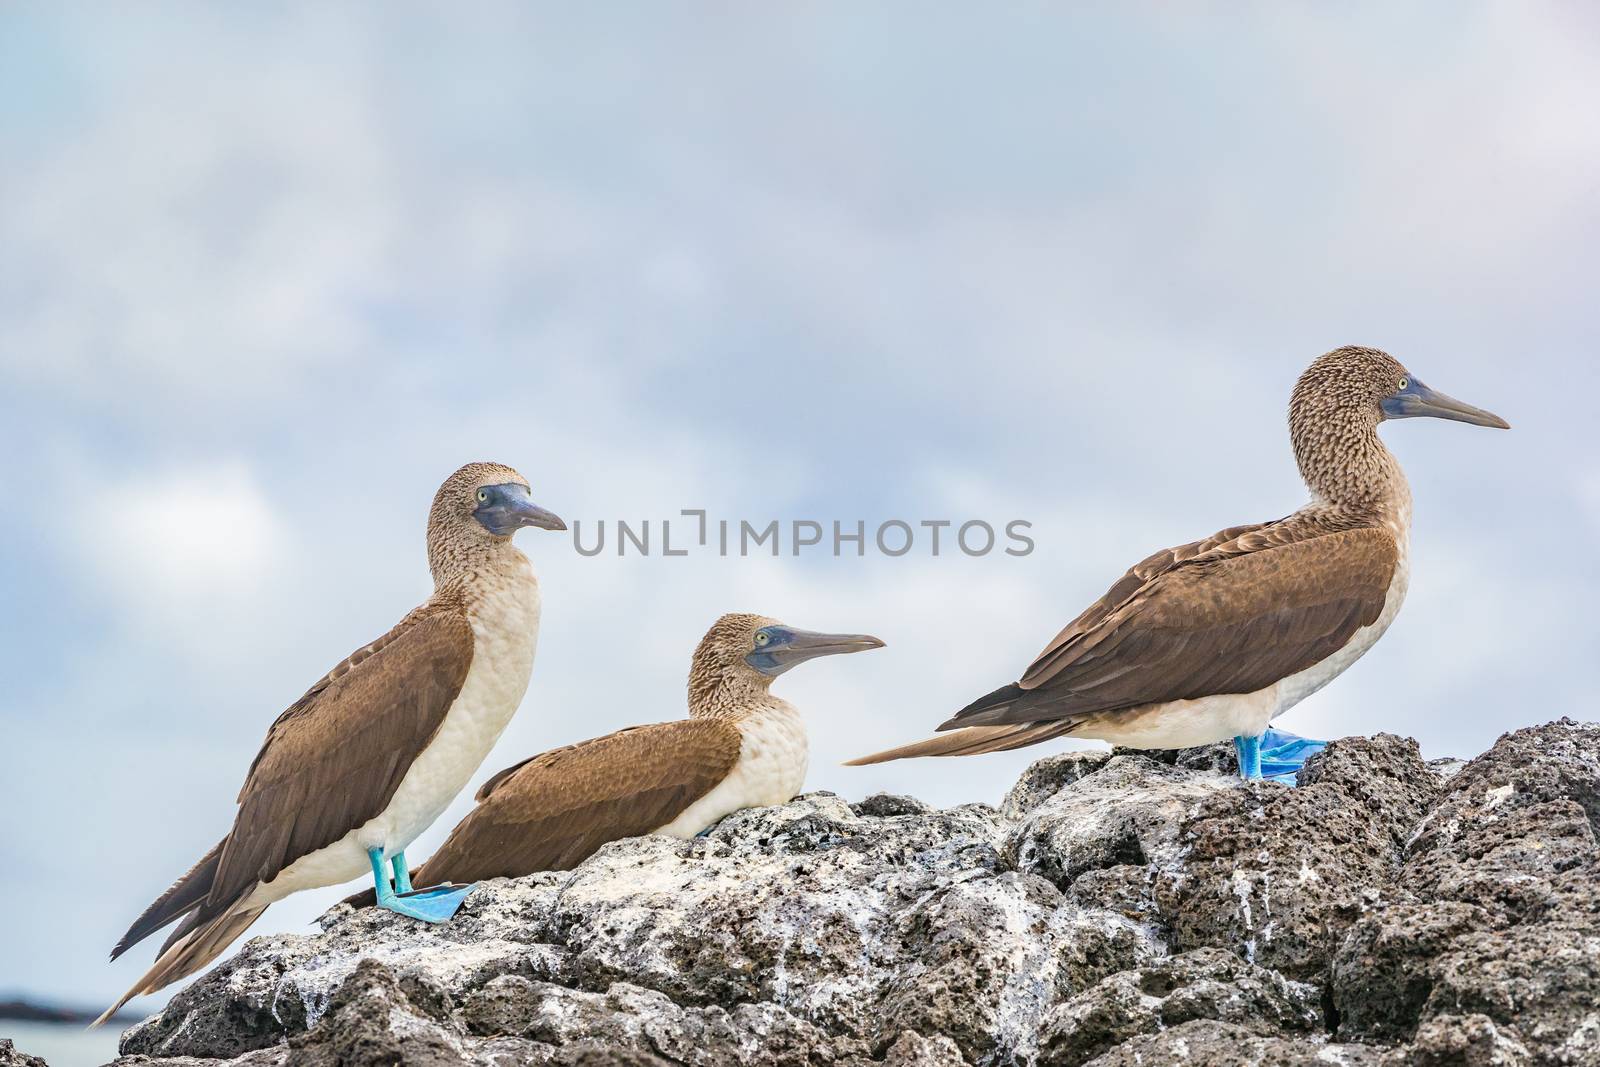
(1404, 382)
(762, 637)
(483, 496)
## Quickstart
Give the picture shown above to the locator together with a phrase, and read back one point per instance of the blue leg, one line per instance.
(433, 905)
(1283, 754)
(1249, 750)
(402, 875)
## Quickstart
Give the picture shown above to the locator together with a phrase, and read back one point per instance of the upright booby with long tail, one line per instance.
(740, 747)
(1216, 638)
(376, 750)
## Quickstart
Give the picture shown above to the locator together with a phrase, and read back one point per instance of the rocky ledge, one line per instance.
(1116, 909)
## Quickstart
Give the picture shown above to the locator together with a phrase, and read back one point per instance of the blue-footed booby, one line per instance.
(1216, 638)
(740, 747)
(375, 751)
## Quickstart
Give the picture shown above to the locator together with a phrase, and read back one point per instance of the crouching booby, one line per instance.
(740, 747)
(1216, 638)
(376, 750)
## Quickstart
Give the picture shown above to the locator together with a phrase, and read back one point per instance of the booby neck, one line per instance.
(461, 561)
(1346, 466)
(731, 694)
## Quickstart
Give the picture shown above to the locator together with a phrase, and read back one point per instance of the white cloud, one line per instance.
(188, 535)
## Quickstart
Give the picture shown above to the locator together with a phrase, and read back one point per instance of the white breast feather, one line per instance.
(771, 770)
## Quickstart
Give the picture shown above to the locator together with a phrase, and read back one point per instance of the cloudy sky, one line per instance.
(268, 274)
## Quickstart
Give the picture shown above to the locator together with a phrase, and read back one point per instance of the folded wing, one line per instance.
(550, 812)
(1231, 614)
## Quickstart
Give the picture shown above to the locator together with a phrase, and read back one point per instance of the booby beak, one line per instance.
(1418, 401)
(787, 648)
(505, 509)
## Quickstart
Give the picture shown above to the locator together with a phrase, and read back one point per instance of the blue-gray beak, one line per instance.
(1418, 401)
(505, 509)
(786, 647)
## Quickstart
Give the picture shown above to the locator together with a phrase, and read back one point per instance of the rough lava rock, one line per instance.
(11, 1056)
(1115, 909)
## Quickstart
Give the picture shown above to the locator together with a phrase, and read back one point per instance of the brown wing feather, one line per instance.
(1138, 577)
(335, 758)
(186, 894)
(551, 812)
(1231, 614)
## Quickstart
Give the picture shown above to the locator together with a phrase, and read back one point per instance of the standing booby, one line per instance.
(376, 750)
(1216, 638)
(740, 747)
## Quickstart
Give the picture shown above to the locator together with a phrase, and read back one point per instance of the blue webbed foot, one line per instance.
(436, 904)
(1276, 755)
(1283, 754)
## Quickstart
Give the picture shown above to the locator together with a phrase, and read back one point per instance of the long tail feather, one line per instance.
(182, 897)
(187, 953)
(988, 705)
(970, 741)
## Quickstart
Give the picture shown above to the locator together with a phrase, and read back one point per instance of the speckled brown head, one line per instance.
(741, 654)
(1334, 414)
(475, 512)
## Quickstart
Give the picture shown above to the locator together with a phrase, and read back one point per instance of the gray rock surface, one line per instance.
(11, 1056)
(1116, 909)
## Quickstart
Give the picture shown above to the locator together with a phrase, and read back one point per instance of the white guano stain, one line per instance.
(1241, 890)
